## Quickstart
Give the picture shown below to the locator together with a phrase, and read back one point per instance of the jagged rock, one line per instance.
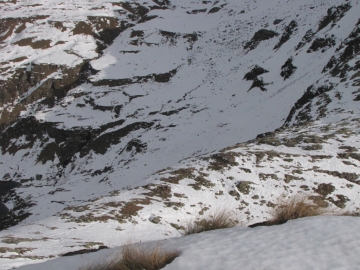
(3, 210)
(287, 69)
(258, 83)
(5, 186)
(254, 73)
(306, 39)
(288, 32)
(322, 43)
(311, 92)
(84, 251)
(261, 35)
(253, 76)
(214, 10)
(334, 14)
(348, 50)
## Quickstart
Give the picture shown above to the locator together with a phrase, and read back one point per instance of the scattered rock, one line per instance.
(340, 202)
(324, 189)
(176, 226)
(201, 181)
(351, 177)
(289, 178)
(223, 160)
(244, 186)
(313, 147)
(264, 176)
(155, 219)
(162, 191)
(174, 205)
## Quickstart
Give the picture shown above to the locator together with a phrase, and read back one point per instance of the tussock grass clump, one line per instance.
(218, 220)
(349, 214)
(138, 258)
(293, 208)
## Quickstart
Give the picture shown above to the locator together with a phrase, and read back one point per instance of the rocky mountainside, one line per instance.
(138, 116)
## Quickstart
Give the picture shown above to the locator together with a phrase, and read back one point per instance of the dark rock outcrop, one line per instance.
(261, 35)
(288, 32)
(287, 69)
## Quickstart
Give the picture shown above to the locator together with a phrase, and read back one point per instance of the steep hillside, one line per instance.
(113, 115)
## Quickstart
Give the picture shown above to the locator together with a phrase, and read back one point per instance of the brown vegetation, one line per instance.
(218, 220)
(296, 207)
(137, 258)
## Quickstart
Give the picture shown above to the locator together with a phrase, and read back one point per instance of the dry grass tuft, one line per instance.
(138, 258)
(295, 207)
(348, 214)
(219, 220)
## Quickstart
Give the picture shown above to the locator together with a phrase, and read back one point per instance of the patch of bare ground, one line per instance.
(162, 191)
(40, 44)
(16, 240)
(122, 212)
(351, 177)
(10, 25)
(178, 175)
(221, 161)
(20, 250)
(15, 60)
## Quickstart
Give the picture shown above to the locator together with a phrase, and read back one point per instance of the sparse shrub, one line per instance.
(218, 220)
(295, 207)
(347, 213)
(138, 258)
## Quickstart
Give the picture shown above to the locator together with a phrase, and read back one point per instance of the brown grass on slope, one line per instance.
(219, 220)
(295, 207)
(137, 258)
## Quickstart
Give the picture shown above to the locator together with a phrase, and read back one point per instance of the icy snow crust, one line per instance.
(214, 110)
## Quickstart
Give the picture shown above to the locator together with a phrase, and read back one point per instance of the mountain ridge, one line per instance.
(123, 90)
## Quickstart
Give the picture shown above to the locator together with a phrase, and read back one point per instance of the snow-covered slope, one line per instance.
(113, 114)
(309, 243)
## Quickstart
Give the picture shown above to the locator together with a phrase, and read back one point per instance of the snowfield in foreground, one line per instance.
(308, 243)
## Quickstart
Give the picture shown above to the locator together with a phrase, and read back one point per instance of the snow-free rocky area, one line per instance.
(125, 120)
